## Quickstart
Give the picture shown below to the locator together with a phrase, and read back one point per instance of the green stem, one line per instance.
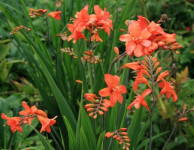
(151, 68)
(115, 60)
(165, 145)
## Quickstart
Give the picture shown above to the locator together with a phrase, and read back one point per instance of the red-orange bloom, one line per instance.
(102, 19)
(114, 90)
(13, 122)
(141, 70)
(46, 123)
(136, 66)
(162, 75)
(183, 119)
(167, 89)
(30, 113)
(79, 24)
(145, 37)
(140, 79)
(137, 39)
(56, 15)
(93, 23)
(140, 100)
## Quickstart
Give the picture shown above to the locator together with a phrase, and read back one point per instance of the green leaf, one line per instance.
(43, 139)
(84, 140)
(71, 134)
(4, 48)
(21, 136)
(134, 127)
(100, 141)
(145, 142)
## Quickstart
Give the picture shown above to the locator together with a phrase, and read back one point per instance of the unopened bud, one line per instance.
(91, 114)
(100, 112)
(123, 129)
(88, 106)
(95, 116)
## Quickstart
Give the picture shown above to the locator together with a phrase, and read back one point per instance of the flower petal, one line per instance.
(121, 89)
(146, 43)
(130, 106)
(138, 52)
(104, 92)
(130, 47)
(134, 28)
(111, 80)
(125, 38)
(146, 92)
(119, 98)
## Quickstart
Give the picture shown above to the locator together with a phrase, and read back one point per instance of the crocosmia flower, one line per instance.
(144, 37)
(114, 90)
(27, 115)
(31, 112)
(13, 122)
(93, 23)
(46, 123)
(137, 39)
(141, 70)
(56, 15)
(167, 89)
(140, 100)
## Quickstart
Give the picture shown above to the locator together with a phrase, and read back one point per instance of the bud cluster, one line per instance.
(98, 105)
(69, 51)
(63, 36)
(121, 136)
(36, 12)
(17, 28)
(89, 57)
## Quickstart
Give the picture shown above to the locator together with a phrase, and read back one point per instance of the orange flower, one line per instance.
(140, 100)
(75, 34)
(145, 37)
(137, 39)
(30, 113)
(183, 119)
(93, 23)
(46, 123)
(95, 36)
(162, 75)
(137, 66)
(167, 89)
(79, 24)
(13, 122)
(114, 90)
(102, 19)
(141, 70)
(140, 79)
(56, 15)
